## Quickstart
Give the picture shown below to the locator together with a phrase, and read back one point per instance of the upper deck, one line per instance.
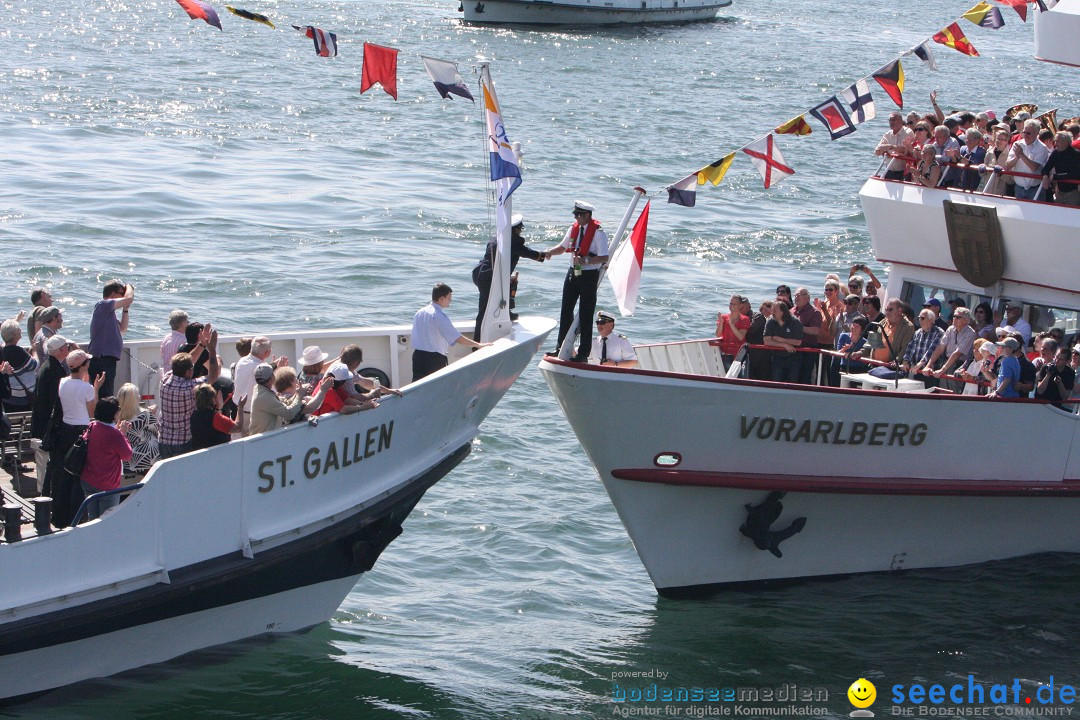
(908, 227)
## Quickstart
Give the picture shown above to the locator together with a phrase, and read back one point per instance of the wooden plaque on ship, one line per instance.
(975, 242)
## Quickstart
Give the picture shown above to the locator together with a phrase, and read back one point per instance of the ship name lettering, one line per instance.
(361, 445)
(829, 432)
(321, 460)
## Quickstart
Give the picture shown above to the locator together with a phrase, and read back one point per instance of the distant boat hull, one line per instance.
(588, 12)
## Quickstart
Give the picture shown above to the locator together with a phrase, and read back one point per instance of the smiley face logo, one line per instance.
(862, 693)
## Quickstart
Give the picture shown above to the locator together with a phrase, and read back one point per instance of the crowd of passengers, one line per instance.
(973, 351)
(1016, 156)
(70, 393)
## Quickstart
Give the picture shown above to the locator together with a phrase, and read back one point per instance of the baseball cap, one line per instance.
(263, 372)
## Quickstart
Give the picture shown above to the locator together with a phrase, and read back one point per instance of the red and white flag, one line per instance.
(625, 268)
(765, 154)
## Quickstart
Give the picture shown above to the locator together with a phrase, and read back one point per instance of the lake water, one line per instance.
(239, 176)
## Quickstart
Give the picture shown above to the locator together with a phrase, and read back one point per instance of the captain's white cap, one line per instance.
(581, 205)
(516, 219)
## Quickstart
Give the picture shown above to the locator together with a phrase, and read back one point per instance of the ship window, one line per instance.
(667, 459)
(1043, 318)
(916, 296)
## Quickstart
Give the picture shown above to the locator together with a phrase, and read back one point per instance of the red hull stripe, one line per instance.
(851, 486)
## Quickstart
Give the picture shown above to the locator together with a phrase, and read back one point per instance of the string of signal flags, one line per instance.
(849, 108)
(379, 64)
(840, 114)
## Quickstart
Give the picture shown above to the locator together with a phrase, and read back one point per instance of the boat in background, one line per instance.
(723, 481)
(588, 12)
(1057, 33)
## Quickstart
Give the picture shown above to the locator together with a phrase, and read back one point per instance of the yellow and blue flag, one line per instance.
(985, 16)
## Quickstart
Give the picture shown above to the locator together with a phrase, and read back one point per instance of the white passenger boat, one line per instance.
(588, 12)
(721, 480)
(264, 535)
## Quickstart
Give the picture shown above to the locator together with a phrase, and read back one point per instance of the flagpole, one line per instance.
(567, 348)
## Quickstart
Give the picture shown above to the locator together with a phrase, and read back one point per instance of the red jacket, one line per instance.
(106, 451)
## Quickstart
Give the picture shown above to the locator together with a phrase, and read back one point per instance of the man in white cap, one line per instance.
(587, 244)
(611, 348)
(482, 273)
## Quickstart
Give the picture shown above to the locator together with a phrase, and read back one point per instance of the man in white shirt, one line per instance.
(610, 348)
(433, 333)
(244, 372)
(897, 141)
(1028, 155)
(1014, 321)
(588, 247)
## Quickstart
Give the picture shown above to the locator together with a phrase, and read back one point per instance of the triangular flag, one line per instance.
(1020, 6)
(835, 117)
(859, 102)
(624, 271)
(446, 77)
(380, 66)
(954, 37)
(198, 10)
(891, 79)
(325, 42)
(924, 53)
(985, 16)
(795, 126)
(683, 192)
(248, 15)
(765, 155)
(715, 172)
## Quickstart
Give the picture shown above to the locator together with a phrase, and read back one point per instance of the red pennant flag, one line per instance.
(891, 79)
(380, 66)
(954, 37)
(198, 10)
(1020, 6)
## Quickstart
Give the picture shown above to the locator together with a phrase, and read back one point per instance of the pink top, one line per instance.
(106, 451)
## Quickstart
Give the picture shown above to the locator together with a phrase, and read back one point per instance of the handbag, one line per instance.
(75, 459)
(28, 394)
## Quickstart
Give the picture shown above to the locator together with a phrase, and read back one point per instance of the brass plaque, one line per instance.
(975, 242)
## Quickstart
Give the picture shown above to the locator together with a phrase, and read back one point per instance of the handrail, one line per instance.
(81, 512)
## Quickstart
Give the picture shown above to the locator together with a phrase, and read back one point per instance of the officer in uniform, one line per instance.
(481, 274)
(587, 244)
(611, 348)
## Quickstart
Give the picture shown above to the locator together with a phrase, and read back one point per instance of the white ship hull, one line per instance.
(262, 535)
(588, 12)
(885, 481)
(1056, 33)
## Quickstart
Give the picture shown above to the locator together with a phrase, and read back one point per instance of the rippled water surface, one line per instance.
(237, 175)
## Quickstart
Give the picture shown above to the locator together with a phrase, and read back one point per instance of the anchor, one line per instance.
(759, 518)
(479, 7)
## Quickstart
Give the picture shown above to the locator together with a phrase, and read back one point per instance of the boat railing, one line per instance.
(702, 357)
(690, 357)
(960, 165)
(94, 501)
